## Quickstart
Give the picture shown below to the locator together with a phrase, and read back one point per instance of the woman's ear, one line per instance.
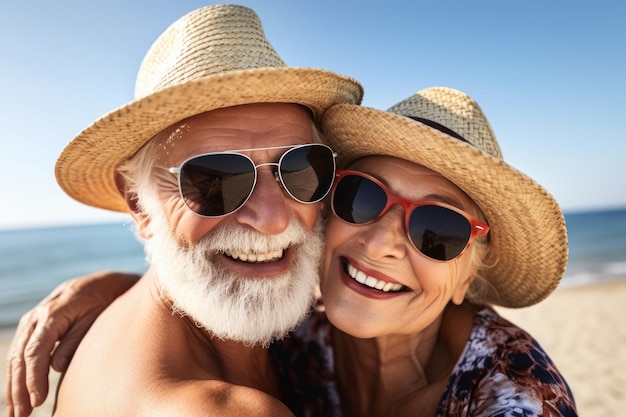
(141, 219)
(459, 294)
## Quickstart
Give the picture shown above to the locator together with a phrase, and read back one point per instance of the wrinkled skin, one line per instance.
(65, 315)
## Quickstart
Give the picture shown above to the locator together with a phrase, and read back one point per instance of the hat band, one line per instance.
(439, 127)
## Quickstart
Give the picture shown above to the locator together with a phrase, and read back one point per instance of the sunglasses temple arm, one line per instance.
(480, 229)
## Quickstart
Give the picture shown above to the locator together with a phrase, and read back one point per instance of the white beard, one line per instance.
(252, 310)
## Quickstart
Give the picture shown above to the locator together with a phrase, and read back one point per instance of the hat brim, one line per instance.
(528, 237)
(85, 169)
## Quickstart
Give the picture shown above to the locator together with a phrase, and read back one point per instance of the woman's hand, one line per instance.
(64, 316)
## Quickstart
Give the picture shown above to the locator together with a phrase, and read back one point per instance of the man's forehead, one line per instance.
(241, 127)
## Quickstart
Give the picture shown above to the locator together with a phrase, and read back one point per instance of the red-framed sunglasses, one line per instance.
(437, 230)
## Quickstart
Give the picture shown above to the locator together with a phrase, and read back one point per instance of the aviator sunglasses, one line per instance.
(218, 183)
(437, 230)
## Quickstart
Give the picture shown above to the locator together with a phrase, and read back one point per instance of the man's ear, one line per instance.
(141, 220)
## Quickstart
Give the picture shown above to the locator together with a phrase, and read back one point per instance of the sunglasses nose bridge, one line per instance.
(275, 171)
(406, 208)
(395, 200)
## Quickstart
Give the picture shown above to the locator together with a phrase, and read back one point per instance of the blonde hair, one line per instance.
(482, 259)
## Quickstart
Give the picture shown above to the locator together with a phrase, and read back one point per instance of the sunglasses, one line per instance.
(218, 183)
(438, 231)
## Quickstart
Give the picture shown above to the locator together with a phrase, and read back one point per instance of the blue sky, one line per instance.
(550, 75)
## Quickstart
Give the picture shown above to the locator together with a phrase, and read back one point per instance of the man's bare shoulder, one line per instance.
(184, 398)
(214, 398)
(139, 359)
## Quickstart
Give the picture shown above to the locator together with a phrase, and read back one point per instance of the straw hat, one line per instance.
(527, 230)
(214, 57)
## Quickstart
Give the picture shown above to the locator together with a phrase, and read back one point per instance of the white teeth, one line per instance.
(371, 282)
(256, 257)
(362, 278)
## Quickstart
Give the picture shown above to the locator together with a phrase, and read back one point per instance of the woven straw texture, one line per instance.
(527, 228)
(214, 57)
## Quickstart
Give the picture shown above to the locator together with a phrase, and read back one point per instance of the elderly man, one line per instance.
(221, 167)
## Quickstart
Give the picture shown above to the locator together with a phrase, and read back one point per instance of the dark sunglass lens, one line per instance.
(214, 185)
(358, 200)
(438, 232)
(307, 172)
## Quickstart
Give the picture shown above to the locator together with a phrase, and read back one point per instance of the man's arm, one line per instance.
(64, 316)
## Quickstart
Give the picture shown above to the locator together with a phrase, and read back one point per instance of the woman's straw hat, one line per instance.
(214, 57)
(445, 130)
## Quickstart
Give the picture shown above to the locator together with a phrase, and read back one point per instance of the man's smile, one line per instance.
(256, 257)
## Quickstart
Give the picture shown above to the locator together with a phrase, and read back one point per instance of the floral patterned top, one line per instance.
(503, 372)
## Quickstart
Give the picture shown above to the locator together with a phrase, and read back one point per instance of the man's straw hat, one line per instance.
(214, 57)
(445, 130)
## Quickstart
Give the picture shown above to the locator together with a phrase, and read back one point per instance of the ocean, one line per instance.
(34, 261)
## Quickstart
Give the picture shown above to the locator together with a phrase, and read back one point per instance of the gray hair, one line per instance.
(138, 171)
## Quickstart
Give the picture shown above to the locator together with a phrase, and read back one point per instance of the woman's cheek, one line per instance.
(337, 233)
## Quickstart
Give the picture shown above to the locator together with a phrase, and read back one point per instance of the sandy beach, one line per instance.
(581, 328)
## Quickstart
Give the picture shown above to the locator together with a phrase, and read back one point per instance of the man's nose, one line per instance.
(267, 210)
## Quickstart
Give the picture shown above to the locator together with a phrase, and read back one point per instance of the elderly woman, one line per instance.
(429, 228)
